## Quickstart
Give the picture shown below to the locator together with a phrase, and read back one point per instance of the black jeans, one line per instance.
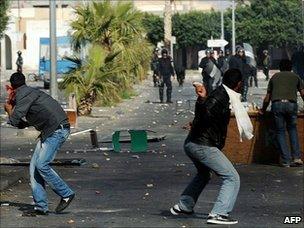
(165, 80)
(266, 72)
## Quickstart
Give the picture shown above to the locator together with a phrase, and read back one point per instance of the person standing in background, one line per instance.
(165, 72)
(154, 67)
(266, 64)
(282, 92)
(19, 62)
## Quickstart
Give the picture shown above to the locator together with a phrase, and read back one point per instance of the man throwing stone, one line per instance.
(204, 143)
(36, 108)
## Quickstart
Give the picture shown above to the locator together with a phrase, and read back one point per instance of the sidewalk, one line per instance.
(123, 190)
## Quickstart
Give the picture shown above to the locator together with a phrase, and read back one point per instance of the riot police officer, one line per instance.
(165, 72)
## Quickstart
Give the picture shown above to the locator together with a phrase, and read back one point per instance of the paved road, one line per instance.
(130, 191)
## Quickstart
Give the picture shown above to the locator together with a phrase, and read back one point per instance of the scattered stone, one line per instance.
(70, 221)
(147, 193)
(105, 154)
(150, 185)
(4, 204)
(108, 159)
(95, 165)
(135, 156)
(163, 145)
(97, 192)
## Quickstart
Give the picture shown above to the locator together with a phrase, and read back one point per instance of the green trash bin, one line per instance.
(139, 141)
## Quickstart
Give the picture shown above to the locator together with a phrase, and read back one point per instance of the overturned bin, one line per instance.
(263, 147)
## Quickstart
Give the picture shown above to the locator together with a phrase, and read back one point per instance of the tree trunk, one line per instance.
(85, 106)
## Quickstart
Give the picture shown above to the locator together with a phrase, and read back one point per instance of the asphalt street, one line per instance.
(137, 190)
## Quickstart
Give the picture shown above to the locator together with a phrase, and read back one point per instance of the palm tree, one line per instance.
(119, 55)
(91, 81)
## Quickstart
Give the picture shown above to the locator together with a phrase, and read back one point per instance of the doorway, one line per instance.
(8, 52)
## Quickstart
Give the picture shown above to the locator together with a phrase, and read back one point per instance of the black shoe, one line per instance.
(64, 203)
(34, 213)
(175, 210)
(221, 219)
(169, 102)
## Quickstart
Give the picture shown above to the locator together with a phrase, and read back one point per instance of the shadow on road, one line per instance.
(167, 214)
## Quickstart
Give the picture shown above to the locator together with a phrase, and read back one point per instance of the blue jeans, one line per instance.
(208, 159)
(285, 116)
(41, 171)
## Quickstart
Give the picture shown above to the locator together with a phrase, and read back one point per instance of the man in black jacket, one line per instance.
(36, 108)
(165, 72)
(203, 146)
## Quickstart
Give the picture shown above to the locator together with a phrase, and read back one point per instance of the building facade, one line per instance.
(29, 21)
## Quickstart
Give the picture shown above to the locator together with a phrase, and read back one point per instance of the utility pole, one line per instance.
(233, 27)
(222, 27)
(53, 51)
(168, 25)
(303, 21)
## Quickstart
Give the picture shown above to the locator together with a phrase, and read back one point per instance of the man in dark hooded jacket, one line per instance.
(36, 108)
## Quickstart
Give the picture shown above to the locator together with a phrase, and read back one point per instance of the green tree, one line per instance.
(154, 26)
(123, 55)
(4, 4)
(269, 22)
(190, 29)
(195, 28)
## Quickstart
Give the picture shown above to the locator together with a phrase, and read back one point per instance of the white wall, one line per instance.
(35, 29)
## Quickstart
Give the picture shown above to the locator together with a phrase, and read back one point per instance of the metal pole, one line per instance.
(53, 51)
(233, 27)
(168, 24)
(222, 27)
(303, 21)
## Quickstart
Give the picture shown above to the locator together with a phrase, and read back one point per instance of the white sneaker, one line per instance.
(221, 219)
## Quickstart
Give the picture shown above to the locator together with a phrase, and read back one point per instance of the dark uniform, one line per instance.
(154, 68)
(207, 64)
(165, 72)
(180, 74)
(266, 64)
(238, 61)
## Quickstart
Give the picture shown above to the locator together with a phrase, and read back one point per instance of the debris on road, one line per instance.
(95, 165)
(135, 156)
(70, 221)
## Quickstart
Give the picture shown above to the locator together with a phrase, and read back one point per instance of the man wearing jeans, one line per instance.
(203, 146)
(282, 92)
(35, 108)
